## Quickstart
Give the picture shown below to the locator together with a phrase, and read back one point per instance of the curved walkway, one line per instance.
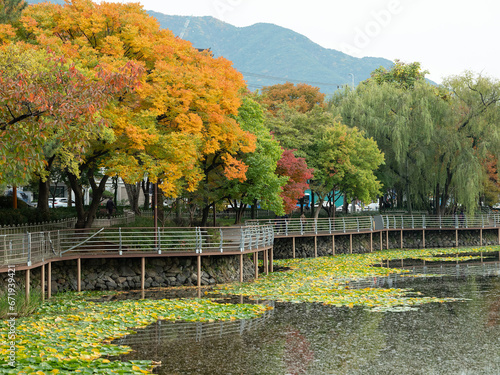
(25, 251)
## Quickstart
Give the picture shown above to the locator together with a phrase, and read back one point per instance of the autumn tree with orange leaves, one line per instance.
(176, 118)
(302, 97)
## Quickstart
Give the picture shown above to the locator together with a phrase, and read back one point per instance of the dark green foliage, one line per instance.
(10, 10)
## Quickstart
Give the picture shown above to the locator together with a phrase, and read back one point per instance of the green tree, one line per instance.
(434, 138)
(261, 183)
(10, 10)
(345, 161)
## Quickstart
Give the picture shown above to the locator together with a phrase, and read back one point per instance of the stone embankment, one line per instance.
(304, 246)
(125, 274)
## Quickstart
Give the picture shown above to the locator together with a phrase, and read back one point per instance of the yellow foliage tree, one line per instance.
(180, 112)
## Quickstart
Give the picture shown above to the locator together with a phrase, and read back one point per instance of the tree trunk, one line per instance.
(321, 199)
(178, 210)
(44, 189)
(86, 218)
(159, 210)
(43, 196)
(313, 212)
(239, 212)
(254, 210)
(70, 196)
(133, 191)
(345, 206)
(145, 191)
(205, 213)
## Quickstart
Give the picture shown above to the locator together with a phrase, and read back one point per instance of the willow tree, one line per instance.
(472, 139)
(433, 137)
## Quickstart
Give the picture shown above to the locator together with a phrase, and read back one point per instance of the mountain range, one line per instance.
(267, 54)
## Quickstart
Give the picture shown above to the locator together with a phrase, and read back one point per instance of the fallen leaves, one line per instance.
(72, 334)
(326, 280)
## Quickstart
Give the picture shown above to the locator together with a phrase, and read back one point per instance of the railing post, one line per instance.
(158, 244)
(286, 227)
(221, 240)
(456, 221)
(330, 225)
(120, 241)
(440, 224)
(357, 222)
(423, 221)
(59, 242)
(315, 226)
(29, 250)
(242, 239)
(343, 223)
(412, 222)
(402, 222)
(482, 221)
(198, 240)
(301, 227)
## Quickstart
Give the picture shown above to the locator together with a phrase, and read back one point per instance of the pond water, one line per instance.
(451, 338)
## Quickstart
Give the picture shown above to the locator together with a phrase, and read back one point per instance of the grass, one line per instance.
(18, 304)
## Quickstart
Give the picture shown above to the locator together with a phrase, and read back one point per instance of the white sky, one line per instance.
(446, 36)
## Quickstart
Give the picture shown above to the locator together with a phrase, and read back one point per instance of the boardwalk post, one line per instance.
(401, 239)
(316, 246)
(481, 237)
(143, 272)
(42, 281)
(333, 244)
(79, 274)
(423, 238)
(387, 238)
(49, 280)
(271, 256)
(456, 237)
(256, 264)
(198, 271)
(350, 243)
(27, 285)
(266, 262)
(381, 246)
(241, 268)
(371, 242)
(293, 246)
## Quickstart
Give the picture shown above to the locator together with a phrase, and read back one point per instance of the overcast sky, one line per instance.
(446, 36)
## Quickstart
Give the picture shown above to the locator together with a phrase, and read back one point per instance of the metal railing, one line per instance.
(39, 227)
(297, 226)
(29, 248)
(47, 226)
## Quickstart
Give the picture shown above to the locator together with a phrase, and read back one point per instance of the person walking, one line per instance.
(110, 206)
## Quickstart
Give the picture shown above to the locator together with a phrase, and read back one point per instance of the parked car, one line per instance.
(58, 202)
(372, 207)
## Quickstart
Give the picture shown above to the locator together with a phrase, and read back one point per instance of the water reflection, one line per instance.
(163, 331)
(451, 338)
